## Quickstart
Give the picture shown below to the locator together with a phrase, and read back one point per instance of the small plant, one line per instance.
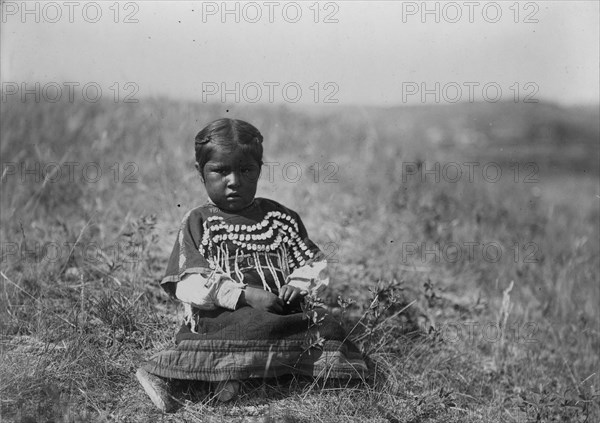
(138, 240)
(378, 321)
(141, 236)
(310, 311)
(502, 323)
(344, 304)
(117, 312)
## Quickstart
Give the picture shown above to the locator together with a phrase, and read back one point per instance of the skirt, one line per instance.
(250, 343)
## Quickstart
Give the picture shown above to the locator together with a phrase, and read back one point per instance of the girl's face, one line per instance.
(230, 178)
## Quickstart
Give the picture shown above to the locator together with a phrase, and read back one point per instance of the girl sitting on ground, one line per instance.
(242, 267)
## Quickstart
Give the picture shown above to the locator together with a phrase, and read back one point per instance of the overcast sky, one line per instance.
(375, 53)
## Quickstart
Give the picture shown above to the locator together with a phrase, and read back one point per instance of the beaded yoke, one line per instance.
(259, 246)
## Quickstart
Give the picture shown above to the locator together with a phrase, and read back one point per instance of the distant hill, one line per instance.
(555, 137)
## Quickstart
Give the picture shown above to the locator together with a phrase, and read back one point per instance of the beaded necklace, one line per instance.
(273, 244)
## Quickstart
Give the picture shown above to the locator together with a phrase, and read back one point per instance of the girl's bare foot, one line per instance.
(227, 390)
(157, 389)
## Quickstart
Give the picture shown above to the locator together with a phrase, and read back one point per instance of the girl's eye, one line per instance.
(249, 169)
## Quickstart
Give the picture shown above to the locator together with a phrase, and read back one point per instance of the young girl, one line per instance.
(242, 266)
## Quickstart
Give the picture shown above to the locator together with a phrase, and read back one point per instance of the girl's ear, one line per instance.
(197, 166)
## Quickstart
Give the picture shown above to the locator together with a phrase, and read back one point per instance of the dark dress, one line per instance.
(258, 246)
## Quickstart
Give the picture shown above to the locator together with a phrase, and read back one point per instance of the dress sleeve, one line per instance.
(186, 257)
(313, 275)
(218, 290)
(310, 277)
(315, 252)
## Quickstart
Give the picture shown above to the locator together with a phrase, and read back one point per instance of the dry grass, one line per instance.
(448, 341)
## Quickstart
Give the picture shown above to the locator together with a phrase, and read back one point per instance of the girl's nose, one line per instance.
(233, 179)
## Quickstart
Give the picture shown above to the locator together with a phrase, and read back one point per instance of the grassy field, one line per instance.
(475, 294)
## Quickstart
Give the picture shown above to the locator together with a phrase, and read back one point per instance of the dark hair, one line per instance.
(229, 134)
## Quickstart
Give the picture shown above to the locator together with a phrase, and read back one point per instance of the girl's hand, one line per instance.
(261, 300)
(289, 294)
